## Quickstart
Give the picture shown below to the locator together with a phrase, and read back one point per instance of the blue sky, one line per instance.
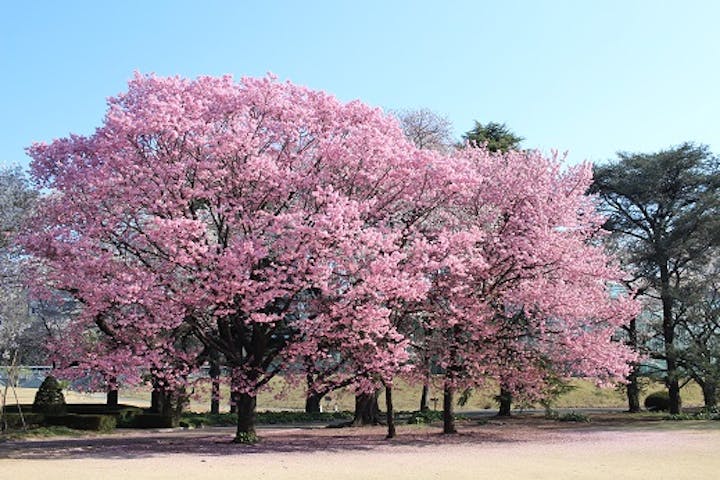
(590, 77)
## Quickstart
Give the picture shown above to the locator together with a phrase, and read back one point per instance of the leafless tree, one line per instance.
(426, 129)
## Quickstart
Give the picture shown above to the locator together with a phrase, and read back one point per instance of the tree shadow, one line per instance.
(218, 442)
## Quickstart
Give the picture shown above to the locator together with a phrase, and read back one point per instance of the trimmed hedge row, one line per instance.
(97, 423)
(14, 420)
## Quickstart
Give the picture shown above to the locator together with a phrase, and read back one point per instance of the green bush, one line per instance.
(704, 413)
(152, 420)
(197, 420)
(299, 417)
(97, 423)
(658, 401)
(126, 416)
(14, 420)
(424, 417)
(568, 417)
(49, 398)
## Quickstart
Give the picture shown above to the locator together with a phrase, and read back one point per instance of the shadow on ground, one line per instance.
(217, 441)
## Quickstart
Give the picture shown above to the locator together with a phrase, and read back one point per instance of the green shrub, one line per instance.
(246, 438)
(97, 423)
(126, 416)
(197, 420)
(425, 417)
(49, 398)
(569, 417)
(658, 401)
(703, 414)
(152, 420)
(299, 417)
(14, 420)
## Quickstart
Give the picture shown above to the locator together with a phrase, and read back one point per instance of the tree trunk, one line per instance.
(672, 380)
(312, 400)
(157, 400)
(449, 410)
(425, 398)
(709, 389)
(246, 419)
(234, 396)
(112, 397)
(215, 397)
(505, 401)
(367, 411)
(425, 395)
(215, 386)
(390, 412)
(632, 389)
(312, 403)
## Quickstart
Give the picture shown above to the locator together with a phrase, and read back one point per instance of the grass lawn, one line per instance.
(280, 396)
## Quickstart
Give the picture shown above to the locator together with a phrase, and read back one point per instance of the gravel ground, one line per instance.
(496, 450)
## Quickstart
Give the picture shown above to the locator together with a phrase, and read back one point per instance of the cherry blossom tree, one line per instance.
(522, 286)
(277, 227)
(231, 213)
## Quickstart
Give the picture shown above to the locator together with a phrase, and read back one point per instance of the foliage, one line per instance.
(425, 417)
(195, 420)
(663, 212)
(657, 401)
(246, 438)
(567, 417)
(49, 399)
(702, 414)
(97, 423)
(274, 226)
(15, 420)
(150, 420)
(497, 137)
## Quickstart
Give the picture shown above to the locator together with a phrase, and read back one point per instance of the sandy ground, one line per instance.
(497, 450)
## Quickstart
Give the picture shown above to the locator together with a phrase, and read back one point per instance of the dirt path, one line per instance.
(495, 451)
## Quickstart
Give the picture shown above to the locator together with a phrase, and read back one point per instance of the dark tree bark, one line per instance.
(449, 410)
(312, 403)
(234, 398)
(672, 380)
(112, 393)
(157, 400)
(505, 401)
(367, 411)
(425, 398)
(246, 419)
(215, 387)
(709, 390)
(112, 397)
(169, 403)
(390, 412)
(312, 400)
(632, 389)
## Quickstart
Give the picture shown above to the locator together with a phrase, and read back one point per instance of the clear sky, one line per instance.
(590, 77)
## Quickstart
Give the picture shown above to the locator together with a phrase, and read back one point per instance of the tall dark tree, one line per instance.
(497, 136)
(699, 334)
(663, 211)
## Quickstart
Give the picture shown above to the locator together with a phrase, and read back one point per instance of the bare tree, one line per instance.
(426, 129)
